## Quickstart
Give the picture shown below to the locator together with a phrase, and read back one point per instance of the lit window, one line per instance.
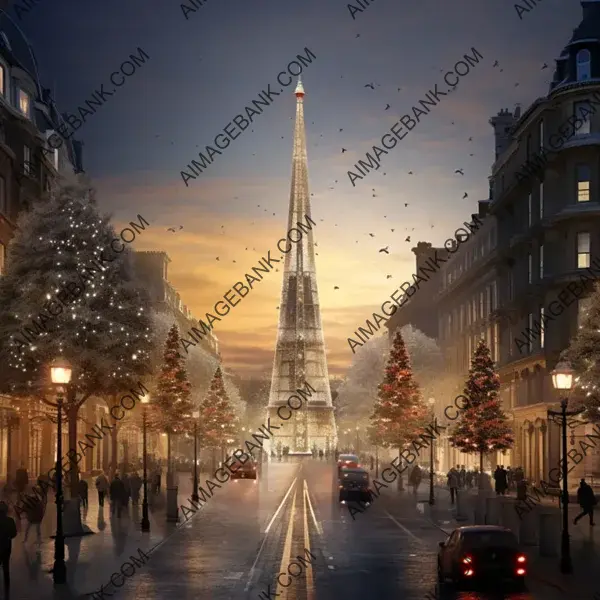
(583, 305)
(27, 160)
(583, 250)
(529, 268)
(541, 133)
(583, 110)
(584, 63)
(24, 102)
(583, 183)
(2, 256)
(542, 262)
(529, 207)
(541, 200)
(542, 331)
(3, 198)
(55, 158)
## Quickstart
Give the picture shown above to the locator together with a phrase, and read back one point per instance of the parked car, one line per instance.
(348, 460)
(482, 553)
(246, 470)
(354, 486)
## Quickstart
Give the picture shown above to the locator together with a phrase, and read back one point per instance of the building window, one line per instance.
(583, 183)
(542, 261)
(541, 133)
(583, 250)
(583, 110)
(542, 332)
(530, 327)
(584, 65)
(583, 305)
(529, 209)
(3, 198)
(541, 200)
(55, 158)
(529, 268)
(24, 102)
(27, 160)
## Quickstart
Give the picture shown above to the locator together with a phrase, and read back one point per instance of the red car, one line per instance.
(348, 460)
(483, 553)
(244, 471)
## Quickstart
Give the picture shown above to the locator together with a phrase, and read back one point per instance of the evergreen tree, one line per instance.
(171, 409)
(584, 355)
(217, 419)
(482, 426)
(398, 414)
(66, 293)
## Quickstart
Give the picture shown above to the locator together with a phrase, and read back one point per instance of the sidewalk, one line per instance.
(91, 559)
(585, 547)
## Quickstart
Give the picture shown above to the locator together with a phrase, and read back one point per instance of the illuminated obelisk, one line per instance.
(300, 351)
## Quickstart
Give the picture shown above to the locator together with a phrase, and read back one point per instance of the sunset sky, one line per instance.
(204, 70)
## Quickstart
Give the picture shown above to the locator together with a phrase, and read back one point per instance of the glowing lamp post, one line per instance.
(562, 380)
(60, 374)
(145, 518)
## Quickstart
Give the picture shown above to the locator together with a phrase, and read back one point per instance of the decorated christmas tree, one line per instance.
(482, 426)
(66, 293)
(398, 414)
(584, 355)
(171, 409)
(218, 422)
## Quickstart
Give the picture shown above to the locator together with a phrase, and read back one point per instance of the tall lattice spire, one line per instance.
(300, 351)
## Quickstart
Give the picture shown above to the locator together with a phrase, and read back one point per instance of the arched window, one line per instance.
(584, 63)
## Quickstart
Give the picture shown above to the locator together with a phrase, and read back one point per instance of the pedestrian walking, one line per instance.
(135, 483)
(8, 531)
(35, 510)
(21, 479)
(469, 479)
(500, 484)
(102, 486)
(82, 490)
(462, 477)
(127, 486)
(452, 476)
(587, 501)
(415, 478)
(117, 496)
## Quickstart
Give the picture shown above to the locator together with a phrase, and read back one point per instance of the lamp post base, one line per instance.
(566, 565)
(145, 519)
(59, 571)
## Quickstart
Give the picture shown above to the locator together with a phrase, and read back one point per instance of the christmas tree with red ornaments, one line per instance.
(398, 414)
(482, 426)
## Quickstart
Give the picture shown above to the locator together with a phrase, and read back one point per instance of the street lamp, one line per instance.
(145, 519)
(562, 380)
(60, 373)
(431, 495)
(196, 416)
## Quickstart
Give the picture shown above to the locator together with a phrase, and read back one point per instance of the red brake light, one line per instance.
(521, 558)
(467, 560)
(520, 571)
(469, 573)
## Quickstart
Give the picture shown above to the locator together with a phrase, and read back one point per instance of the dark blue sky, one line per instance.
(204, 70)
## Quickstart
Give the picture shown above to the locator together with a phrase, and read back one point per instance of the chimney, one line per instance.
(502, 124)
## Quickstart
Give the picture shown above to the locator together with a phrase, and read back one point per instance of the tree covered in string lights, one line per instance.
(171, 409)
(104, 332)
(584, 355)
(399, 415)
(482, 426)
(218, 421)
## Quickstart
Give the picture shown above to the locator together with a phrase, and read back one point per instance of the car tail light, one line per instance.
(467, 560)
(469, 573)
(520, 571)
(521, 558)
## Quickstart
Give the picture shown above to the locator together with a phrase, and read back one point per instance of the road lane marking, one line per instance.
(251, 573)
(309, 573)
(404, 528)
(317, 523)
(281, 590)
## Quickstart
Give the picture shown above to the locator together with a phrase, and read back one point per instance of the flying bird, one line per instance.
(335, 287)
(516, 85)
(465, 196)
(459, 171)
(341, 130)
(171, 229)
(470, 139)
(399, 89)
(405, 206)
(410, 172)
(344, 150)
(544, 67)
(370, 85)
(387, 106)
(407, 239)
(217, 258)
(393, 230)
(389, 277)
(385, 250)
(357, 35)
(471, 155)
(372, 235)
(495, 64)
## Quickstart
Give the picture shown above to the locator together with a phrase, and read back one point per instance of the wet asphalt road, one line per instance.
(248, 533)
